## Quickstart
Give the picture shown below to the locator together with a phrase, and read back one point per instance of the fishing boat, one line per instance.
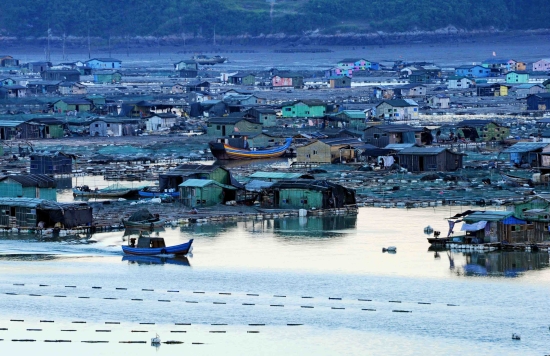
(143, 224)
(223, 151)
(205, 60)
(143, 219)
(109, 192)
(150, 246)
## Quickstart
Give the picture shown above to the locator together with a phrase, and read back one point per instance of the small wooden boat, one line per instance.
(224, 151)
(85, 191)
(149, 246)
(143, 224)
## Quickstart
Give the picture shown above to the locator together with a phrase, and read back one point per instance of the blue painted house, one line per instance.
(475, 71)
(104, 63)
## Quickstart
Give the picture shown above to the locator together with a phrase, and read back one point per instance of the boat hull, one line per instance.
(143, 224)
(157, 194)
(225, 152)
(182, 249)
(438, 241)
(99, 193)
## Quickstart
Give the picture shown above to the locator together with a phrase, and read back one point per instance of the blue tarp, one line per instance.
(513, 221)
(473, 227)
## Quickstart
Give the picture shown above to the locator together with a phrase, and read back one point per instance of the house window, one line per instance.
(288, 109)
(218, 127)
(303, 201)
(376, 135)
(307, 112)
(314, 152)
(96, 125)
(108, 125)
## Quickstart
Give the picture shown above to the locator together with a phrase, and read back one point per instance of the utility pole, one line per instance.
(48, 53)
(64, 37)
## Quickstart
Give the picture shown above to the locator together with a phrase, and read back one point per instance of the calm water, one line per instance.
(276, 273)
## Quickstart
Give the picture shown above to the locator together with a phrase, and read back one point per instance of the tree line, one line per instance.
(106, 18)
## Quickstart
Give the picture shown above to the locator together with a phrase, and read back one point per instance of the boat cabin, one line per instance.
(147, 242)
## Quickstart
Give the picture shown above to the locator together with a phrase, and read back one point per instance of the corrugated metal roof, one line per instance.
(489, 215)
(257, 185)
(33, 180)
(42, 204)
(523, 147)
(200, 183)
(426, 151)
(399, 146)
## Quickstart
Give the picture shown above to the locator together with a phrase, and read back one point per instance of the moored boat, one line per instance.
(223, 151)
(85, 191)
(205, 60)
(153, 193)
(143, 224)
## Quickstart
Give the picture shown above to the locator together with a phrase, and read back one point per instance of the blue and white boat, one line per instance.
(155, 193)
(149, 246)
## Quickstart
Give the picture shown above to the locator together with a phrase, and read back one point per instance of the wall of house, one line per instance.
(300, 199)
(95, 64)
(201, 196)
(17, 216)
(316, 152)
(104, 129)
(303, 110)
(218, 129)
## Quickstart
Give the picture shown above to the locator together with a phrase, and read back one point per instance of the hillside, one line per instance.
(104, 18)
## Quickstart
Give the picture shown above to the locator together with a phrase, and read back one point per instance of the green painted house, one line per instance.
(482, 130)
(28, 186)
(48, 127)
(205, 192)
(223, 126)
(517, 77)
(173, 178)
(107, 76)
(267, 116)
(304, 109)
(352, 119)
(311, 194)
(242, 79)
(72, 104)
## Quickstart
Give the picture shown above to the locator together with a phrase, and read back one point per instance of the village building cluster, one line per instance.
(380, 120)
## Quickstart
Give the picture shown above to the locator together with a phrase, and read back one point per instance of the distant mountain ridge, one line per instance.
(207, 18)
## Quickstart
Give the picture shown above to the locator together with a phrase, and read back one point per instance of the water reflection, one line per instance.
(503, 264)
(156, 260)
(326, 226)
(209, 229)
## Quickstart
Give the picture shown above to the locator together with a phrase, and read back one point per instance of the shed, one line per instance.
(56, 163)
(205, 192)
(337, 82)
(525, 153)
(28, 212)
(28, 186)
(422, 159)
(173, 178)
(383, 135)
(309, 194)
(242, 79)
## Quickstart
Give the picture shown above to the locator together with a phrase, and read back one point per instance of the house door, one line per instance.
(223, 130)
(421, 163)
